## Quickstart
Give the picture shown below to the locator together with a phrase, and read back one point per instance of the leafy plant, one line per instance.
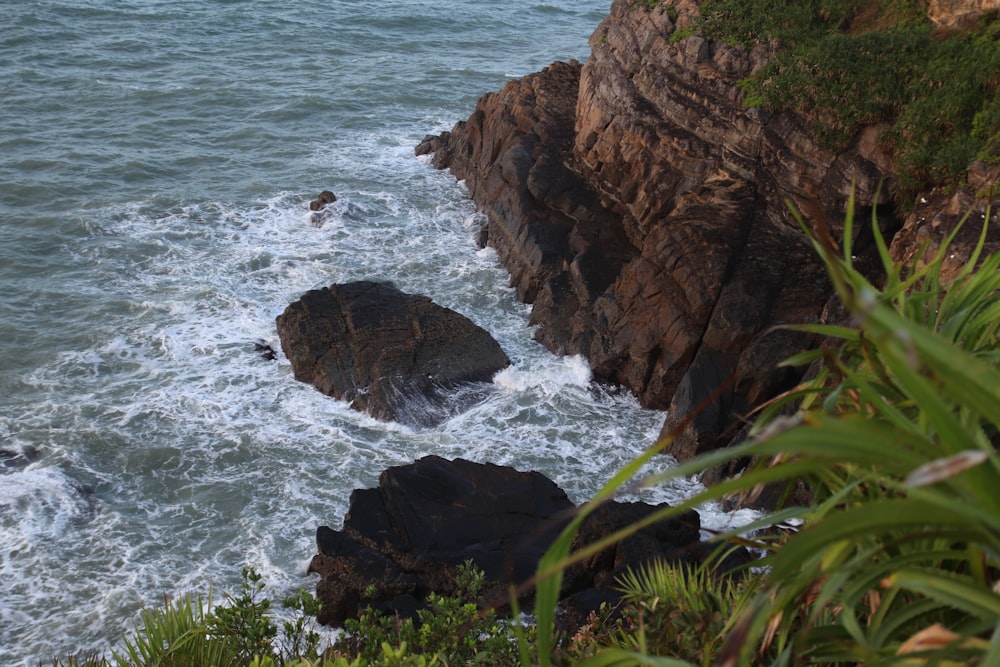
(241, 632)
(675, 610)
(846, 64)
(899, 553)
(451, 630)
(173, 637)
(898, 434)
(243, 623)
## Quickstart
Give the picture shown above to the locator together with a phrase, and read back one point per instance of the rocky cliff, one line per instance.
(645, 211)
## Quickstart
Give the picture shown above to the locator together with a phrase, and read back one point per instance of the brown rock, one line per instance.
(642, 208)
(935, 214)
(398, 356)
(324, 198)
(959, 14)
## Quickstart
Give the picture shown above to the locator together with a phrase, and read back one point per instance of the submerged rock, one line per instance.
(397, 356)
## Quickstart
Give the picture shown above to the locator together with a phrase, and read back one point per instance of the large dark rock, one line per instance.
(643, 209)
(405, 539)
(398, 356)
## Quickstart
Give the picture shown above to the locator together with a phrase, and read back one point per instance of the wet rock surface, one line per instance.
(399, 357)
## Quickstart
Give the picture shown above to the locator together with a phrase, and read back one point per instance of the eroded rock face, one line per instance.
(959, 14)
(398, 356)
(936, 214)
(642, 209)
(405, 539)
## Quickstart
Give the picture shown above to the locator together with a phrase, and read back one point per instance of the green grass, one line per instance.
(847, 64)
(894, 436)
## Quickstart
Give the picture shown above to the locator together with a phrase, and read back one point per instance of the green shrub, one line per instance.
(174, 636)
(452, 630)
(243, 622)
(899, 437)
(847, 64)
(788, 22)
(237, 633)
(675, 610)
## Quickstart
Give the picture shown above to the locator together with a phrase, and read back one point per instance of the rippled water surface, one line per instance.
(156, 162)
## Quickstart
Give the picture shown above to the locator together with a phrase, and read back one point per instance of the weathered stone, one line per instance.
(936, 214)
(406, 538)
(959, 14)
(324, 198)
(397, 356)
(642, 208)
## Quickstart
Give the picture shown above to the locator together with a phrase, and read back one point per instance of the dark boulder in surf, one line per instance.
(18, 459)
(406, 538)
(322, 199)
(399, 357)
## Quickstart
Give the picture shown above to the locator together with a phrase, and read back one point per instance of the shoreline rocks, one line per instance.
(406, 538)
(646, 214)
(397, 356)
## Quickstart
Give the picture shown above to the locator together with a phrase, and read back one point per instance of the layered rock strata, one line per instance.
(644, 211)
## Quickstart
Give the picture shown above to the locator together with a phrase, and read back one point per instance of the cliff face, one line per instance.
(950, 14)
(643, 210)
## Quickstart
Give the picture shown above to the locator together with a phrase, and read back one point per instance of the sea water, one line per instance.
(157, 158)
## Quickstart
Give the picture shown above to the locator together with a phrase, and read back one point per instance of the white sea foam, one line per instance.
(205, 457)
(559, 372)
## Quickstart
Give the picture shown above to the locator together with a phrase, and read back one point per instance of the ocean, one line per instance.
(157, 158)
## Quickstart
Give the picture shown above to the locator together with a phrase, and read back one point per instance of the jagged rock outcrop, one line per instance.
(398, 356)
(959, 14)
(406, 538)
(937, 213)
(642, 208)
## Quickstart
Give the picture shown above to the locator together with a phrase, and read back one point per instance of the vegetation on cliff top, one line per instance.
(851, 63)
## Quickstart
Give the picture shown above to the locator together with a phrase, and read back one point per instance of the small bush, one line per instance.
(450, 631)
(235, 634)
(243, 623)
(850, 63)
(677, 610)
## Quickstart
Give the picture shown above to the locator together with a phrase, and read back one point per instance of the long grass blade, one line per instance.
(617, 657)
(951, 591)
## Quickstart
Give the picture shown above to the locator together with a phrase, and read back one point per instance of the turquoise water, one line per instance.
(156, 163)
